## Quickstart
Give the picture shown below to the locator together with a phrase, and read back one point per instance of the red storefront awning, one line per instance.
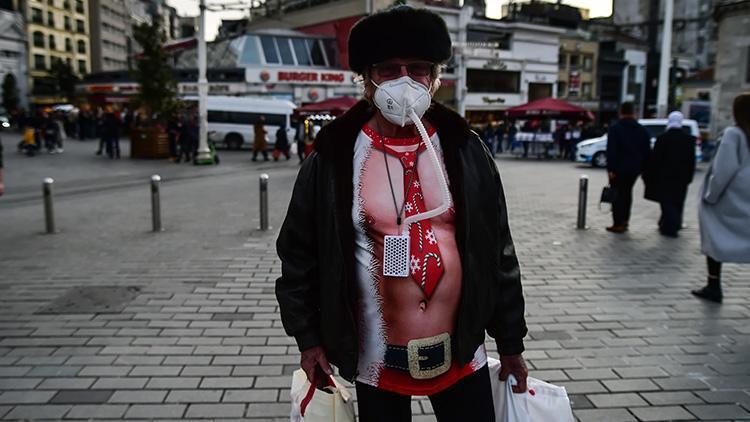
(550, 108)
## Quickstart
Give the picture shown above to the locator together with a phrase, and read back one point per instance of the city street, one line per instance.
(186, 324)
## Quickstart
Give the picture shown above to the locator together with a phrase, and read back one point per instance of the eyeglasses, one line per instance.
(391, 70)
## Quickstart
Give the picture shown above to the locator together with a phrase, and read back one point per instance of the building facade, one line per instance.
(57, 31)
(732, 73)
(111, 35)
(13, 58)
(577, 80)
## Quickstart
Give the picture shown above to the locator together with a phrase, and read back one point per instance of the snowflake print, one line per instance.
(416, 184)
(414, 264)
(431, 237)
(408, 207)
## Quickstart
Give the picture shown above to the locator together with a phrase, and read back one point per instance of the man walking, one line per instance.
(669, 173)
(628, 150)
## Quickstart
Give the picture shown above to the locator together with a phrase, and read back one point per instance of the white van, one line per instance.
(231, 119)
(594, 151)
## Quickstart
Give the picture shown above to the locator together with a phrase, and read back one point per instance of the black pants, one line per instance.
(470, 399)
(623, 184)
(671, 211)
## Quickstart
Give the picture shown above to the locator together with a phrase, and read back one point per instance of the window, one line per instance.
(562, 87)
(588, 63)
(285, 50)
(66, 5)
(68, 26)
(51, 19)
(316, 52)
(44, 86)
(81, 46)
(331, 52)
(38, 39)
(481, 80)
(68, 45)
(269, 49)
(81, 67)
(575, 60)
(40, 63)
(79, 26)
(36, 15)
(300, 50)
(245, 118)
(51, 2)
(79, 6)
(562, 59)
(492, 39)
(52, 43)
(586, 90)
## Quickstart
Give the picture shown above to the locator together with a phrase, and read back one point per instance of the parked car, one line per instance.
(4, 121)
(594, 150)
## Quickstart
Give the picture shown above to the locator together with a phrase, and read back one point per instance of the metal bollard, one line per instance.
(49, 211)
(264, 202)
(155, 203)
(583, 189)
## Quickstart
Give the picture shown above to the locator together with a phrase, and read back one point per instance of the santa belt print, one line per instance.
(422, 358)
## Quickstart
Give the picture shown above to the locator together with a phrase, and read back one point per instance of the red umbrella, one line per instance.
(551, 108)
(333, 106)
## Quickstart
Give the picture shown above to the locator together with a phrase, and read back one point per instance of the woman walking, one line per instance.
(725, 205)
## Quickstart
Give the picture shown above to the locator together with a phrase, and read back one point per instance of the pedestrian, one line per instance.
(188, 138)
(575, 139)
(259, 140)
(173, 133)
(299, 138)
(724, 211)
(2, 170)
(50, 132)
(488, 135)
(281, 146)
(420, 329)
(670, 171)
(628, 150)
(499, 138)
(110, 134)
(512, 132)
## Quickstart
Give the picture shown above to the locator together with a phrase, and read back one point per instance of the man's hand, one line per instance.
(315, 358)
(514, 365)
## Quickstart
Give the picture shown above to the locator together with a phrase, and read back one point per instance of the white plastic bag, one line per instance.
(293, 148)
(312, 405)
(541, 402)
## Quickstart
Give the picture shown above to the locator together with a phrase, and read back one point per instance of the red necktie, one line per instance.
(426, 262)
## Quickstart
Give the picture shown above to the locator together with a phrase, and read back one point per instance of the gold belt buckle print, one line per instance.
(413, 349)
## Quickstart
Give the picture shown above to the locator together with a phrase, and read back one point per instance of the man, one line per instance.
(670, 171)
(420, 332)
(628, 150)
(2, 184)
(259, 140)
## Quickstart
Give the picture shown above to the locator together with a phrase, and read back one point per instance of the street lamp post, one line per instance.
(204, 153)
(666, 54)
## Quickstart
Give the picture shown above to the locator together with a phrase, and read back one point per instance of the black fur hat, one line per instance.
(401, 31)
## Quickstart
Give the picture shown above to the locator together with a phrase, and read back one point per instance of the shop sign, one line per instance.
(495, 64)
(574, 82)
(292, 76)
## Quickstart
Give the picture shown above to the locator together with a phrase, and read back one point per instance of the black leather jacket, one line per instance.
(316, 291)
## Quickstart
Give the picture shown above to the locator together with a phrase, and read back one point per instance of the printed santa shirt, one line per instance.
(395, 310)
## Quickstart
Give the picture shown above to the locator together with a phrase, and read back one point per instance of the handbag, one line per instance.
(609, 195)
(541, 401)
(332, 404)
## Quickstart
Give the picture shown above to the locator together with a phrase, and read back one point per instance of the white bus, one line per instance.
(231, 119)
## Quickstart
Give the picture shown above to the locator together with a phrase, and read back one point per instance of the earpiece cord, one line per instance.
(399, 212)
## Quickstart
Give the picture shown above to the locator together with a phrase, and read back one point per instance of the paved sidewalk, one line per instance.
(610, 316)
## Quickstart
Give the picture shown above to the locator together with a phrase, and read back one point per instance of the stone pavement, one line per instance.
(610, 316)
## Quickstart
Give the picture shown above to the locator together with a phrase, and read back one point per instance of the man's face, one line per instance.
(419, 70)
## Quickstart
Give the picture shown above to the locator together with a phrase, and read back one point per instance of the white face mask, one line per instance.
(398, 97)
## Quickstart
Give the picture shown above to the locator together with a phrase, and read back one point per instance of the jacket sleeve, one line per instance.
(509, 325)
(725, 165)
(297, 290)
(613, 139)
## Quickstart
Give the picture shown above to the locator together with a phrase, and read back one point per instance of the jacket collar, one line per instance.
(339, 136)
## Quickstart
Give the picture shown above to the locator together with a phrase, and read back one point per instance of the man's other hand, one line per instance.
(515, 365)
(313, 358)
